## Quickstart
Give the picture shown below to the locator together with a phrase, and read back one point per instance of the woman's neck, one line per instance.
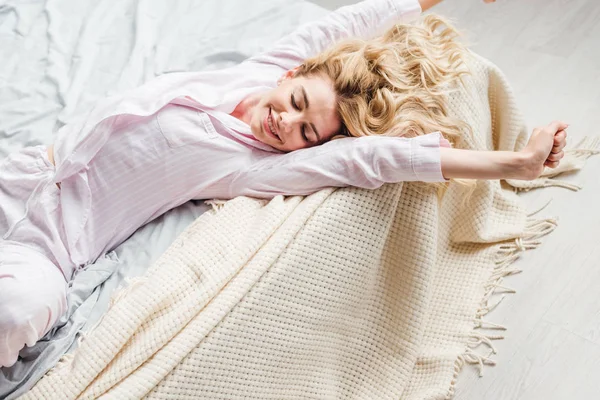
(243, 111)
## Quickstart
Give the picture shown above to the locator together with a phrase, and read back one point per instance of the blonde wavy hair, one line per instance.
(396, 84)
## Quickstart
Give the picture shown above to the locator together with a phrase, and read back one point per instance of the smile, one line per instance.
(269, 126)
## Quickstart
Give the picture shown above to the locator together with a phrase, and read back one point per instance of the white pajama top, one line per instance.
(136, 155)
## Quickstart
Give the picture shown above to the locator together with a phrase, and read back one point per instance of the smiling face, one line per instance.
(300, 112)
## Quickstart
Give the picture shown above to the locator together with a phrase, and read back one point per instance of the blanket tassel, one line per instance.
(507, 254)
(216, 204)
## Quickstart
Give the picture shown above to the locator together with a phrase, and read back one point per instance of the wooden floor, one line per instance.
(550, 52)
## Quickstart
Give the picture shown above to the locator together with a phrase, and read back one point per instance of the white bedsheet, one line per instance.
(58, 56)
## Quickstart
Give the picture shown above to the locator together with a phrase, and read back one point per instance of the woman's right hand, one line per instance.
(427, 4)
(545, 148)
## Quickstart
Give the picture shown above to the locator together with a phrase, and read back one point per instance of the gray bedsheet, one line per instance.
(59, 56)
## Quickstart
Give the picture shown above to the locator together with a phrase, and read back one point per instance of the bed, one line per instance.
(195, 323)
(59, 56)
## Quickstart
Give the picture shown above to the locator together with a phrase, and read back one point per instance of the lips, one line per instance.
(266, 127)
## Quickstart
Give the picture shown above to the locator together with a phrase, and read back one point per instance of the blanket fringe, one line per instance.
(507, 254)
(132, 283)
(217, 204)
(64, 364)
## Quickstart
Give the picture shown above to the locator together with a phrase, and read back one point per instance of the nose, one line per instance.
(287, 121)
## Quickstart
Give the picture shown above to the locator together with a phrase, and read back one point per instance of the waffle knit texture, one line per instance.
(345, 293)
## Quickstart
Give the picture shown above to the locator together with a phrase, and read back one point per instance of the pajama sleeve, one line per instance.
(364, 20)
(366, 162)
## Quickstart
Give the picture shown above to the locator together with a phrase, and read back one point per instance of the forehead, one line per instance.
(322, 102)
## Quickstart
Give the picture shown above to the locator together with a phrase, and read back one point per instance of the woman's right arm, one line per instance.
(363, 20)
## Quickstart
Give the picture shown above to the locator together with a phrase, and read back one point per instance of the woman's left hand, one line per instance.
(545, 148)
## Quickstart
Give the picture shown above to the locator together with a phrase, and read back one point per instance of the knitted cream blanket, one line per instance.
(346, 293)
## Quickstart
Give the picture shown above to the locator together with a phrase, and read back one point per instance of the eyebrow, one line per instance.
(307, 104)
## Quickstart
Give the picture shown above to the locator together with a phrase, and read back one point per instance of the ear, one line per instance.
(288, 74)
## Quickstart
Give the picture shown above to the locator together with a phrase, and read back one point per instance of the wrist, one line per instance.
(525, 166)
(511, 164)
(520, 166)
(427, 4)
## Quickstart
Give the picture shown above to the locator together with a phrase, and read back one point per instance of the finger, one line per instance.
(551, 164)
(555, 157)
(556, 126)
(558, 144)
(560, 136)
(561, 133)
(558, 148)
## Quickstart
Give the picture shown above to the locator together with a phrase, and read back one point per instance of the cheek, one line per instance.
(261, 109)
(335, 124)
(275, 97)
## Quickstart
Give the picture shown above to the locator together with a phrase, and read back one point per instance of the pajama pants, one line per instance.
(34, 261)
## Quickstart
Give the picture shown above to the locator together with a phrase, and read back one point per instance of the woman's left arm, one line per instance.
(367, 162)
(544, 149)
(364, 20)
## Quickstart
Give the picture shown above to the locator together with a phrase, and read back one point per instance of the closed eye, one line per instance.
(303, 128)
(294, 104)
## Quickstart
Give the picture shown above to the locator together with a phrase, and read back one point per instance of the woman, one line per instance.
(222, 134)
